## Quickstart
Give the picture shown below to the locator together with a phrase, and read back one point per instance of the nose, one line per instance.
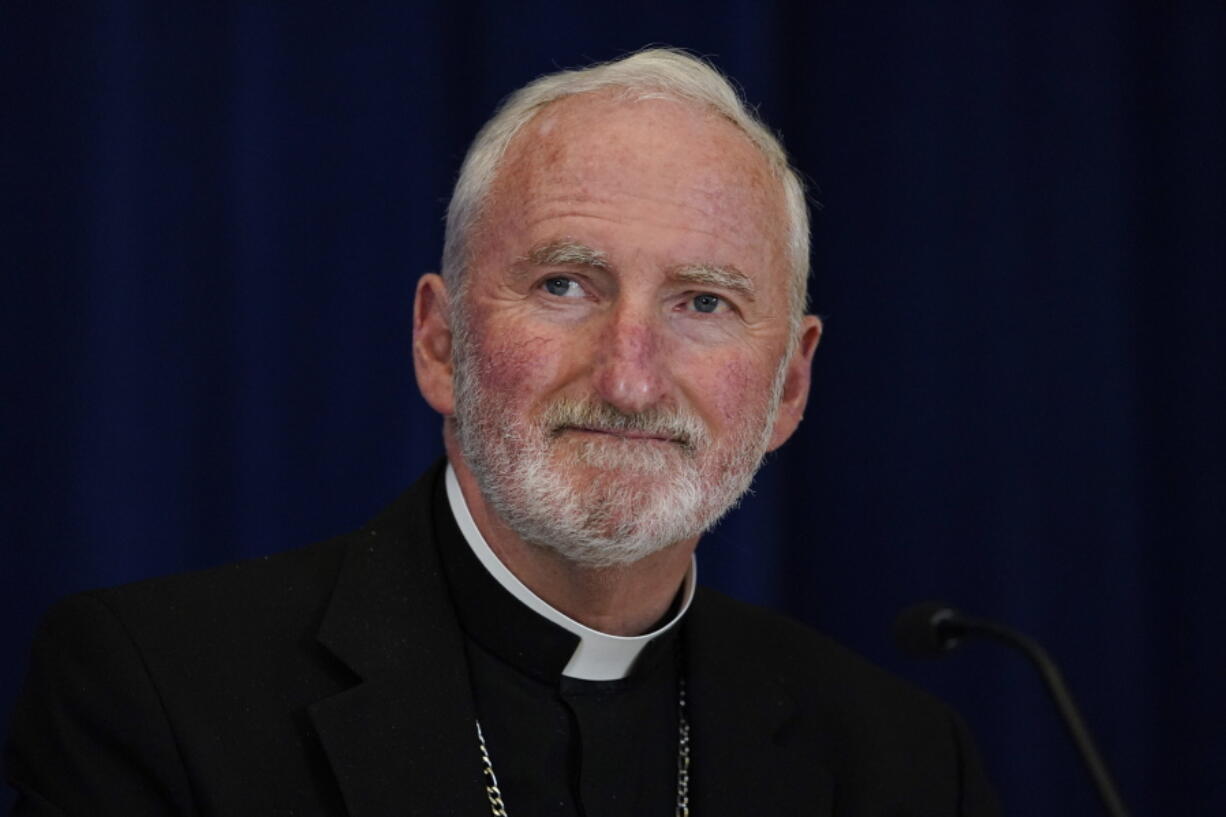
(629, 365)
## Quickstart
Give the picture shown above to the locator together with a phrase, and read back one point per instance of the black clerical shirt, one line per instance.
(559, 745)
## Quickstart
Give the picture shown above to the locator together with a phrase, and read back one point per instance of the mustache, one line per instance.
(670, 424)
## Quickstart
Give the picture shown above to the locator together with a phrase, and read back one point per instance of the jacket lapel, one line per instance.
(402, 740)
(747, 736)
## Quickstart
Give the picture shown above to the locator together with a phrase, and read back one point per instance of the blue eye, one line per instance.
(707, 302)
(563, 287)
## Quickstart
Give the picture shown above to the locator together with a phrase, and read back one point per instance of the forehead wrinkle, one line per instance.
(723, 276)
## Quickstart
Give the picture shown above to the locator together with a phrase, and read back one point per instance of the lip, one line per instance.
(624, 435)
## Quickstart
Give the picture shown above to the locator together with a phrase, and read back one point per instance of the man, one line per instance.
(616, 340)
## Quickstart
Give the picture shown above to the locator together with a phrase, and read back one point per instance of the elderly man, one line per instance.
(616, 340)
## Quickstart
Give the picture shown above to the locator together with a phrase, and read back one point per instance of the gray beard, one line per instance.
(643, 497)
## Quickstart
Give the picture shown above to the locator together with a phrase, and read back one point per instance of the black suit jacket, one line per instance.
(332, 680)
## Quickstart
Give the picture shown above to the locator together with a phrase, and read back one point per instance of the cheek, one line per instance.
(735, 388)
(517, 367)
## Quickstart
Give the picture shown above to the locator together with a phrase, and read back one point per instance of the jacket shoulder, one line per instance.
(273, 595)
(815, 667)
(261, 593)
(889, 744)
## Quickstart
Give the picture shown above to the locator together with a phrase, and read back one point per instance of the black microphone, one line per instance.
(931, 629)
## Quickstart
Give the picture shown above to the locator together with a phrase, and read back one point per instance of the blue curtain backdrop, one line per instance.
(214, 215)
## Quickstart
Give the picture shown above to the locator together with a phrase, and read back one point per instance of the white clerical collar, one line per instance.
(599, 656)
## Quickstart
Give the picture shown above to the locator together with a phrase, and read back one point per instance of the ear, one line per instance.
(432, 344)
(796, 382)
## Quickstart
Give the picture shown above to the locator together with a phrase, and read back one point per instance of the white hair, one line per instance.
(651, 73)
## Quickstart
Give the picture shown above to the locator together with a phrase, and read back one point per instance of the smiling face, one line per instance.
(621, 348)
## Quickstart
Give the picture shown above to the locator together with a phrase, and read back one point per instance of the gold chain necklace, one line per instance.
(499, 809)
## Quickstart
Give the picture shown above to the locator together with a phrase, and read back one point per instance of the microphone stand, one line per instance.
(950, 627)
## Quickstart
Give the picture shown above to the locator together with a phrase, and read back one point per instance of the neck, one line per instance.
(623, 600)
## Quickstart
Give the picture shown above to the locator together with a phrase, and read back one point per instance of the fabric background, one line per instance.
(213, 216)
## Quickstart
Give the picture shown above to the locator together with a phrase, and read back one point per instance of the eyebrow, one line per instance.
(567, 254)
(725, 277)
